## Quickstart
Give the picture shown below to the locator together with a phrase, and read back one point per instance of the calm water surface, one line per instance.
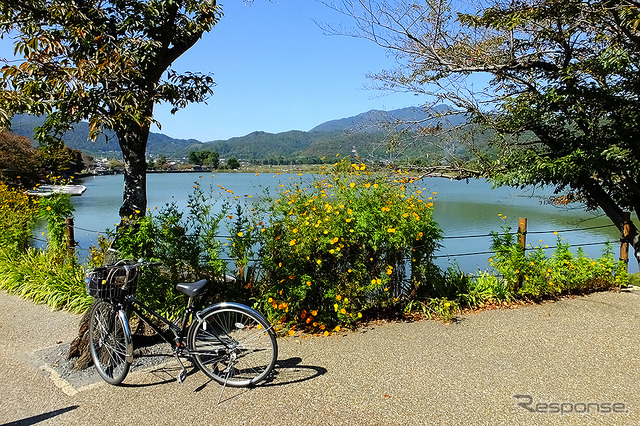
(461, 209)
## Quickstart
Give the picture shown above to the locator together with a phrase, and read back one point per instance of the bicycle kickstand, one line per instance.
(183, 374)
(224, 385)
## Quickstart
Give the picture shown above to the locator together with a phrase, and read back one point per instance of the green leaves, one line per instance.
(104, 61)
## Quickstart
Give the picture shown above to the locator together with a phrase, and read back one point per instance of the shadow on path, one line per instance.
(41, 417)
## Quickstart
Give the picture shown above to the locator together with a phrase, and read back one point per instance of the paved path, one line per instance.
(573, 355)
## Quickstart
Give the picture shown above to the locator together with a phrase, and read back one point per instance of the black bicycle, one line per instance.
(231, 343)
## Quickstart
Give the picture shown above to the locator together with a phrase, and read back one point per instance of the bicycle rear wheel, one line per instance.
(233, 344)
(110, 342)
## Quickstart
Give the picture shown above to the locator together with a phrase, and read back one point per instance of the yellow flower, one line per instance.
(309, 284)
(314, 313)
(337, 328)
(343, 311)
(292, 242)
(326, 333)
(295, 230)
(359, 315)
(338, 297)
(48, 208)
(391, 230)
(240, 234)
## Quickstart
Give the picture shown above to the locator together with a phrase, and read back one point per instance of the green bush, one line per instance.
(185, 242)
(345, 242)
(54, 210)
(534, 275)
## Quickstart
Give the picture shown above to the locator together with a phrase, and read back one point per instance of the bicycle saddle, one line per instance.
(192, 289)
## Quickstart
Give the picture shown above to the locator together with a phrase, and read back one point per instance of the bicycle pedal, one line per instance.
(182, 376)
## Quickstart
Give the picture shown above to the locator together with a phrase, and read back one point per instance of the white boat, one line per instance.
(47, 190)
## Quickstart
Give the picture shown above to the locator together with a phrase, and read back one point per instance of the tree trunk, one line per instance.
(601, 198)
(133, 143)
(80, 346)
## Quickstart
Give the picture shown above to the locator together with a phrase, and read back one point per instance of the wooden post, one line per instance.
(69, 232)
(624, 239)
(522, 232)
(522, 242)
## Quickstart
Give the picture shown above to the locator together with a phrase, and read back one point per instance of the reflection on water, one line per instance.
(461, 209)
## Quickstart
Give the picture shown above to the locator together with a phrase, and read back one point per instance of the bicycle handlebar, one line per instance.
(141, 262)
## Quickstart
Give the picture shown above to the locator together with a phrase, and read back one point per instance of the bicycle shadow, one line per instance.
(286, 372)
(289, 371)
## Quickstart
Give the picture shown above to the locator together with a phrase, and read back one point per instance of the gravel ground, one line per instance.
(575, 361)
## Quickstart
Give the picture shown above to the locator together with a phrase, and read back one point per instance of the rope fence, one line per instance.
(522, 232)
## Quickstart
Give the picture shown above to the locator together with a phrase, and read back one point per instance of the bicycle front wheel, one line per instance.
(233, 344)
(110, 342)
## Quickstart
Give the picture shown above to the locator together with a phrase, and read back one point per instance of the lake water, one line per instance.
(462, 209)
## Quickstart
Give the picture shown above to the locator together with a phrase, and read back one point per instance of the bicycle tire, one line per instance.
(233, 344)
(110, 342)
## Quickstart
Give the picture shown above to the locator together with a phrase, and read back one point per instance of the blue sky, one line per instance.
(277, 71)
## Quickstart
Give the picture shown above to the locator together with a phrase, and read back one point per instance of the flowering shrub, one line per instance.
(19, 213)
(340, 244)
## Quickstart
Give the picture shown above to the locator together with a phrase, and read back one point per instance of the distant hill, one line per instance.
(364, 133)
(376, 120)
(106, 144)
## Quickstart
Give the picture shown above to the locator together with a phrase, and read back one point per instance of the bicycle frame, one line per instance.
(179, 331)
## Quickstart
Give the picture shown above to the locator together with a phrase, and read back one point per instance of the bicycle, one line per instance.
(229, 342)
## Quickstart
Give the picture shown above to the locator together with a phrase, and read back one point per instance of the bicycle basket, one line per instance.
(111, 282)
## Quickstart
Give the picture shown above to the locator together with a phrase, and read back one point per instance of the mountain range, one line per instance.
(363, 132)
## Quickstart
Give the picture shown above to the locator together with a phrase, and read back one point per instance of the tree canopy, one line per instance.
(563, 91)
(205, 157)
(107, 62)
